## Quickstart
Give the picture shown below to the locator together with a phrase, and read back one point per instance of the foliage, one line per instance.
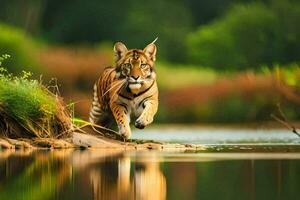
(248, 36)
(226, 42)
(29, 107)
(24, 98)
(169, 20)
(290, 75)
(214, 112)
(233, 108)
(233, 34)
(175, 76)
(239, 98)
(133, 22)
(16, 43)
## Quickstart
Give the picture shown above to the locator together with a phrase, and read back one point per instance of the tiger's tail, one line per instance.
(96, 111)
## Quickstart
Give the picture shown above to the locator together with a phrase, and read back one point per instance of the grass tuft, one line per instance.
(25, 99)
(27, 104)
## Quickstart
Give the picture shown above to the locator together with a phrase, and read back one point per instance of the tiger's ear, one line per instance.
(120, 49)
(150, 50)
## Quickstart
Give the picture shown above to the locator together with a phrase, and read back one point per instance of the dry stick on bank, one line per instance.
(290, 94)
(284, 120)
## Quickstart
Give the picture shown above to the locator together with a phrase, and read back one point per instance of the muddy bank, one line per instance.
(89, 141)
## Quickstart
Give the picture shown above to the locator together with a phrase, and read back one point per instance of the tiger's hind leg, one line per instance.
(95, 115)
(96, 111)
(98, 116)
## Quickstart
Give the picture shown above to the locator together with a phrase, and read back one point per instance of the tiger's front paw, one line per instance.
(141, 122)
(124, 131)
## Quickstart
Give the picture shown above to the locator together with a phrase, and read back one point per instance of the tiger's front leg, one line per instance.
(122, 118)
(147, 115)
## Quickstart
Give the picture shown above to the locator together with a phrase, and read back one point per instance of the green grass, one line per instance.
(30, 104)
(25, 99)
(174, 76)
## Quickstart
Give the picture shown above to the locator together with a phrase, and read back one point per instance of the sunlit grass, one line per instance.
(80, 122)
(174, 76)
(26, 103)
(24, 98)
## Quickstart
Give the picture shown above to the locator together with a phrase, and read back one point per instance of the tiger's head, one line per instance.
(136, 66)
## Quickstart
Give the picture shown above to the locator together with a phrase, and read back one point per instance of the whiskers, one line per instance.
(119, 88)
(117, 85)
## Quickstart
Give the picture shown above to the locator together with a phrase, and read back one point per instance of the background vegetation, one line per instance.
(218, 60)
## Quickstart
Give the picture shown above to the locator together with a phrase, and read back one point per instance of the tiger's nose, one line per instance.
(135, 77)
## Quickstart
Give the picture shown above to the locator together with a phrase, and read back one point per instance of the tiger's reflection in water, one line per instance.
(92, 174)
(113, 179)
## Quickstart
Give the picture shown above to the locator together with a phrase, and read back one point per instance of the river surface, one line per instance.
(198, 135)
(116, 174)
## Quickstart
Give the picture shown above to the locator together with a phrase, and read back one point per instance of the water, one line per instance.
(115, 174)
(218, 135)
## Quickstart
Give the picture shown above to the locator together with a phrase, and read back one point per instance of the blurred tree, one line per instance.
(133, 22)
(20, 47)
(169, 20)
(229, 36)
(204, 12)
(24, 14)
(79, 21)
(249, 36)
(288, 30)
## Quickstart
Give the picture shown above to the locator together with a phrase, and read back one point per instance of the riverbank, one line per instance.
(171, 139)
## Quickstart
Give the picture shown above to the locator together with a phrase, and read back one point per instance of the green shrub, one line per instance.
(24, 99)
(248, 36)
(25, 103)
(14, 42)
(136, 25)
(233, 108)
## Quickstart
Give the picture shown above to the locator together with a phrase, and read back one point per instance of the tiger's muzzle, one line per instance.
(134, 83)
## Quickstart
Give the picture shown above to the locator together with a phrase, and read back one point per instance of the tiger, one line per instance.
(127, 90)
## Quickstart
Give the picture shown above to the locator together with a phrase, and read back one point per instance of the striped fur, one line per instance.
(127, 90)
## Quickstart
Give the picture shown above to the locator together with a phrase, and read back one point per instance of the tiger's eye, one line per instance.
(127, 65)
(126, 69)
(144, 66)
